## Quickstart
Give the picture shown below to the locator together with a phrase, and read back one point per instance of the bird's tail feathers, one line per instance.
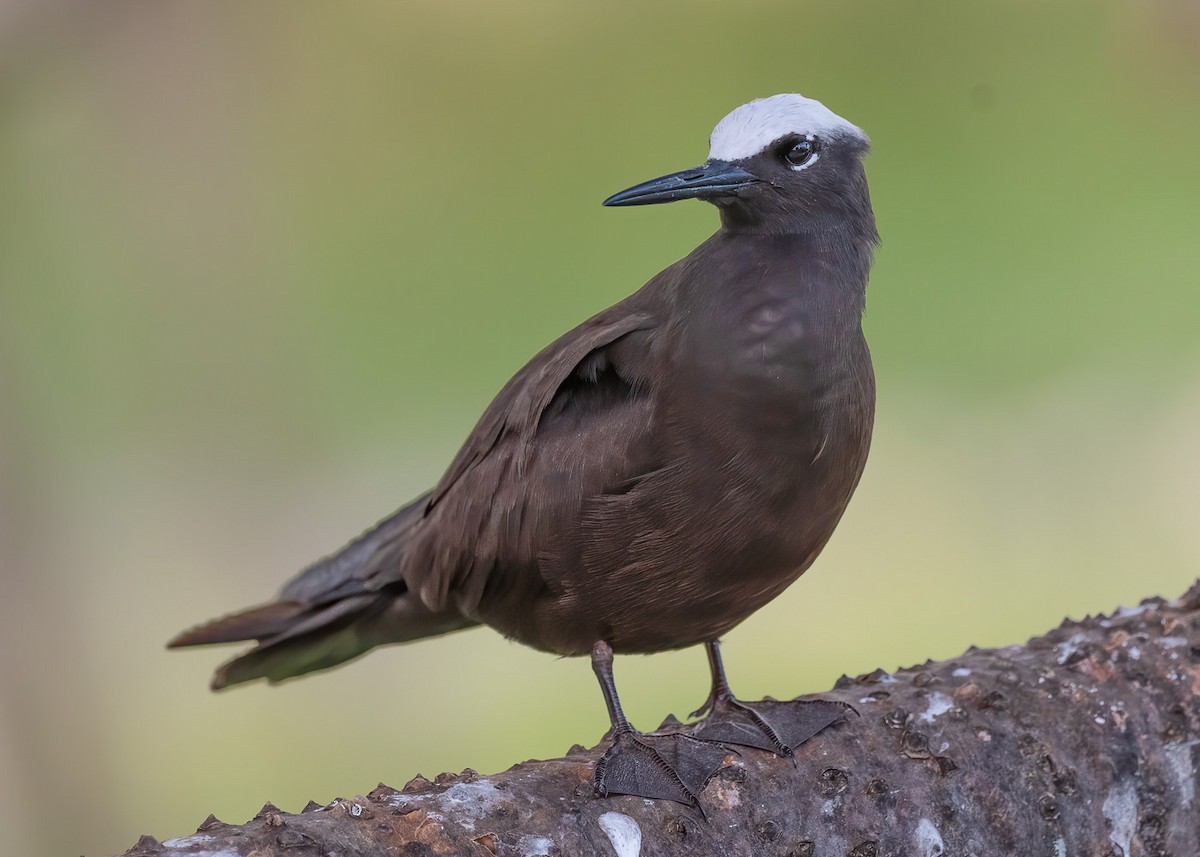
(317, 638)
(254, 623)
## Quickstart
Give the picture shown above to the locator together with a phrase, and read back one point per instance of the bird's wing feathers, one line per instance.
(519, 405)
(484, 513)
(347, 572)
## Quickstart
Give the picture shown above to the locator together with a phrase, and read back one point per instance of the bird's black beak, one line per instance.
(711, 180)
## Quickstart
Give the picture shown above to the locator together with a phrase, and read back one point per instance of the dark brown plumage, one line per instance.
(657, 474)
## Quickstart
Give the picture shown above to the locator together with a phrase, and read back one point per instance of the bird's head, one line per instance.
(775, 163)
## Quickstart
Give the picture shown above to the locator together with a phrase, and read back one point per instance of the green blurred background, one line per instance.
(261, 266)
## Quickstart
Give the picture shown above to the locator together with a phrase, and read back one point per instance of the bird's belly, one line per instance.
(686, 556)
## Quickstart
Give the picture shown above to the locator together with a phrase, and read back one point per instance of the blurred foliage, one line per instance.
(261, 265)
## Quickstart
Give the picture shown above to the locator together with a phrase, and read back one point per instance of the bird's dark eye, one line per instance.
(800, 153)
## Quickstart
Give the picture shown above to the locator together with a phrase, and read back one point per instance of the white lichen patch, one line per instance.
(1121, 810)
(1125, 613)
(623, 832)
(199, 839)
(727, 796)
(1060, 848)
(1179, 759)
(188, 841)
(467, 802)
(1070, 646)
(929, 840)
(534, 846)
(937, 705)
(961, 672)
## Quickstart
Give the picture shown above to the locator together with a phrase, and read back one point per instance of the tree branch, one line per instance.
(1081, 742)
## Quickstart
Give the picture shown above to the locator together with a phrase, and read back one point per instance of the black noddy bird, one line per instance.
(650, 478)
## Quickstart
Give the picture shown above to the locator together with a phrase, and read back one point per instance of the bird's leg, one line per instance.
(602, 666)
(669, 766)
(780, 727)
(720, 684)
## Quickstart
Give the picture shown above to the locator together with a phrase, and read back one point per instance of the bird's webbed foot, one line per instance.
(767, 724)
(660, 766)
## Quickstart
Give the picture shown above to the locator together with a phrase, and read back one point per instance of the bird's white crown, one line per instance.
(752, 127)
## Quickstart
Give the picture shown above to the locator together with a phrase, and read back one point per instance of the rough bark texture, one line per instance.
(1082, 742)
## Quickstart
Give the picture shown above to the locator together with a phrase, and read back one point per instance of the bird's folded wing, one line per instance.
(518, 407)
(347, 572)
(558, 430)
